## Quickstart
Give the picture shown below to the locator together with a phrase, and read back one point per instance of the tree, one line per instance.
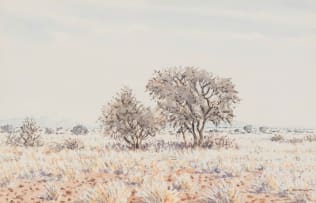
(248, 128)
(125, 118)
(191, 97)
(79, 130)
(29, 135)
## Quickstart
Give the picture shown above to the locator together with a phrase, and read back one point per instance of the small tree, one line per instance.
(127, 119)
(191, 97)
(29, 135)
(248, 128)
(79, 130)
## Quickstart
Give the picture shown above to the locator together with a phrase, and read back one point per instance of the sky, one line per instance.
(66, 59)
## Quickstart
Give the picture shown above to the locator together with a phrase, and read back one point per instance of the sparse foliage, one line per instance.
(127, 119)
(29, 135)
(191, 97)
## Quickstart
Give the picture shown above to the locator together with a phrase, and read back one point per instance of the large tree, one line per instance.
(191, 97)
(125, 118)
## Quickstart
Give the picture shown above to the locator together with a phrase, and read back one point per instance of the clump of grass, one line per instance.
(51, 193)
(184, 183)
(300, 198)
(113, 192)
(222, 193)
(157, 191)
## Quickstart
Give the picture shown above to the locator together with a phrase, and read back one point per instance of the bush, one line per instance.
(248, 128)
(70, 143)
(295, 140)
(79, 130)
(310, 138)
(29, 135)
(7, 128)
(277, 138)
(73, 144)
(219, 141)
(263, 129)
(49, 131)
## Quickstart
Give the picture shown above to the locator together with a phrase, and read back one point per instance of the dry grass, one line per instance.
(259, 168)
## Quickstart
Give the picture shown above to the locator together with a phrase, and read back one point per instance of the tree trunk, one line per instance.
(201, 138)
(184, 138)
(201, 134)
(195, 140)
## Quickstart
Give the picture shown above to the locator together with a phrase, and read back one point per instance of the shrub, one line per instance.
(219, 141)
(29, 135)
(310, 138)
(277, 138)
(7, 128)
(248, 128)
(49, 131)
(72, 144)
(79, 130)
(128, 120)
(263, 129)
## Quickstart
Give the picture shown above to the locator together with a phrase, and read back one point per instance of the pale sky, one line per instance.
(65, 59)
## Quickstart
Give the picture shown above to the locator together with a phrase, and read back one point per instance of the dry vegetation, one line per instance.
(62, 170)
(133, 160)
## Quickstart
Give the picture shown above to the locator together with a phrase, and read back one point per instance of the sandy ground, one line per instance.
(178, 177)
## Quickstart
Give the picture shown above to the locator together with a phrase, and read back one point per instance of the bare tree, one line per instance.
(127, 119)
(191, 97)
(28, 136)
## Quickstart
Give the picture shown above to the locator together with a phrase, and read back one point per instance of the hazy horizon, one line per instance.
(64, 60)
